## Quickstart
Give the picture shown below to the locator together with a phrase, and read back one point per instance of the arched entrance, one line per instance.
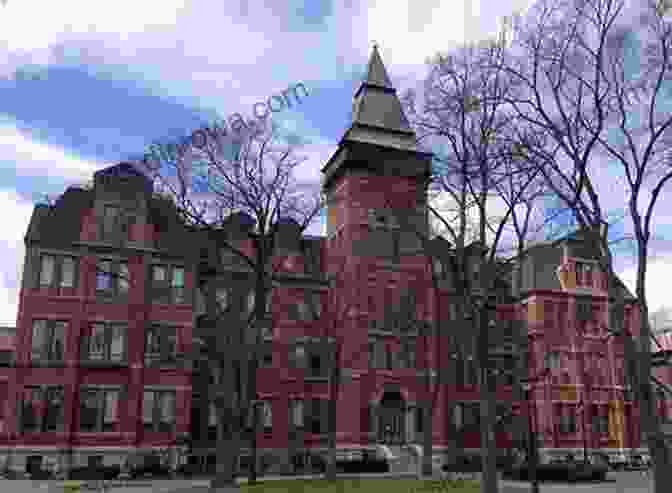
(391, 418)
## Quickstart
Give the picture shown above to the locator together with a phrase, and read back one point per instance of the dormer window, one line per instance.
(111, 222)
(584, 274)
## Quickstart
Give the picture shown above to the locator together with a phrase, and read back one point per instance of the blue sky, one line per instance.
(85, 84)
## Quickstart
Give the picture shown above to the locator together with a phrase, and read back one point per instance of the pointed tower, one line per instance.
(376, 169)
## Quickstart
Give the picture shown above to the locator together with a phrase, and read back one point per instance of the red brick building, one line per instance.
(97, 373)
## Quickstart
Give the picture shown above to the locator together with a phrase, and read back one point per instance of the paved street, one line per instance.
(620, 482)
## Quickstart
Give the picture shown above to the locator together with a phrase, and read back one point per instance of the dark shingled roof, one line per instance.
(379, 105)
(59, 225)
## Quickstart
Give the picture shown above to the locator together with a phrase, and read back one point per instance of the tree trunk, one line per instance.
(647, 397)
(427, 438)
(228, 449)
(489, 483)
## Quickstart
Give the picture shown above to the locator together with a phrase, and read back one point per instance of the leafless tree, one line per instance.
(490, 189)
(590, 78)
(242, 200)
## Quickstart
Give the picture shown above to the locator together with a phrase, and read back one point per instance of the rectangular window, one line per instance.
(266, 416)
(316, 416)
(407, 355)
(42, 409)
(303, 311)
(123, 281)
(470, 372)
(419, 419)
(600, 420)
(112, 278)
(458, 418)
(222, 299)
(68, 272)
(47, 270)
(178, 285)
(57, 271)
(104, 342)
(472, 415)
(315, 369)
(168, 284)
(298, 356)
(266, 360)
(439, 270)
(104, 276)
(584, 310)
(110, 222)
(99, 409)
(158, 410)
(160, 344)
(48, 340)
(553, 360)
(296, 413)
(159, 273)
(567, 422)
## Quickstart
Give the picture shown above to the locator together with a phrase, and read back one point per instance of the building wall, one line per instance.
(372, 283)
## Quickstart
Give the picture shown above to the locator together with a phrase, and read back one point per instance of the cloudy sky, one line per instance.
(86, 84)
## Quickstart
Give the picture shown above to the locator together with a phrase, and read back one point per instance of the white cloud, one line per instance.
(411, 31)
(16, 216)
(33, 25)
(38, 159)
(659, 273)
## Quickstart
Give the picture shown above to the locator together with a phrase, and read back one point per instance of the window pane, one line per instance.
(47, 271)
(123, 279)
(170, 342)
(147, 407)
(58, 341)
(178, 277)
(118, 342)
(152, 341)
(250, 302)
(68, 272)
(88, 419)
(297, 413)
(111, 406)
(54, 418)
(267, 415)
(300, 356)
(104, 275)
(110, 214)
(97, 342)
(222, 298)
(159, 273)
(167, 407)
(39, 339)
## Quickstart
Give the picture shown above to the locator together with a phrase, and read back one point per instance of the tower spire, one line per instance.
(376, 103)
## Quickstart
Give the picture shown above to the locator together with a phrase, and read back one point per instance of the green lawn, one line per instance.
(363, 485)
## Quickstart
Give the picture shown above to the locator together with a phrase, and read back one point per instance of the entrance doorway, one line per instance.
(391, 419)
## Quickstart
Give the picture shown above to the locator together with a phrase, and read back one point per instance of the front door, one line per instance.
(391, 422)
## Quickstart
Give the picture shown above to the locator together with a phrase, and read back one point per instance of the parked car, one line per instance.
(562, 471)
(639, 462)
(147, 464)
(368, 463)
(98, 472)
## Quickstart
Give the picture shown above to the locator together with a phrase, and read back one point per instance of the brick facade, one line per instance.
(375, 169)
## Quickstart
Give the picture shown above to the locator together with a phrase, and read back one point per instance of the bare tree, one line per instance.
(488, 186)
(244, 201)
(594, 97)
